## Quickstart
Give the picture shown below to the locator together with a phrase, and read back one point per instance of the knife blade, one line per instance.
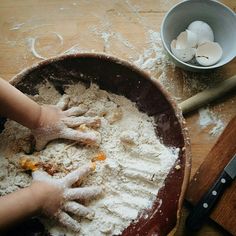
(203, 208)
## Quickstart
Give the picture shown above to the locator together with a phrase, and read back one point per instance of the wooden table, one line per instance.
(127, 29)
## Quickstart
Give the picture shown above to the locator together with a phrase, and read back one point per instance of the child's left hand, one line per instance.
(57, 198)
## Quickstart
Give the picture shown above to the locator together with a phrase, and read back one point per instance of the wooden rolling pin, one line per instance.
(208, 95)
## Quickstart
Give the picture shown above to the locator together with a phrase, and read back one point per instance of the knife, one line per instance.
(205, 205)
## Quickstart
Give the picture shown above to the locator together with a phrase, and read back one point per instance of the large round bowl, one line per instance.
(122, 78)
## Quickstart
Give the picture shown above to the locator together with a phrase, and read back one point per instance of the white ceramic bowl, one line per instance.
(221, 19)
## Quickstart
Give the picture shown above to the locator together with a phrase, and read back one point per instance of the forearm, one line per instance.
(18, 206)
(17, 106)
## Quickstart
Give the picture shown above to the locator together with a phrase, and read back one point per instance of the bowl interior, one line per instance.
(221, 19)
(120, 77)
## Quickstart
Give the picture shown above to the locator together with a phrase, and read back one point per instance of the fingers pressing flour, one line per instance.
(68, 221)
(78, 174)
(93, 122)
(79, 210)
(82, 193)
(63, 102)
(92, 138)
(76, 111)
(55, 123)
(68, 194)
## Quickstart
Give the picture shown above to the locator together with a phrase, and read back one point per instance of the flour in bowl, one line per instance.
(136, 162)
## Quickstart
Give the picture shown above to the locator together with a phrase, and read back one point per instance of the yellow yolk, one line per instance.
(27, 164)
(99, 157)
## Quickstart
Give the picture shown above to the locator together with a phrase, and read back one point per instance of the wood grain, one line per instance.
(213, 165)
(76, 22)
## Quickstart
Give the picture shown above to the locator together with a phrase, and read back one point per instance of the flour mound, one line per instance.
(132, 174)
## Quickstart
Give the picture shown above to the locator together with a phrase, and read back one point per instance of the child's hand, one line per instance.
(57, 197)
(55, 123)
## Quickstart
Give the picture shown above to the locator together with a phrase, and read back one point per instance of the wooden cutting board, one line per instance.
(224, 212)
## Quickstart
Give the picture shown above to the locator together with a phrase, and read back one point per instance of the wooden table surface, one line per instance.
(127, 29)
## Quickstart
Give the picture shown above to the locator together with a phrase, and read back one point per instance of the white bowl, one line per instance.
(221, 19)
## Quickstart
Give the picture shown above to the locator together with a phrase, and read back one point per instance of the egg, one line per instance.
(186, 39)
(183, 54)
(209, 53)
(197, 41)
(203, 31)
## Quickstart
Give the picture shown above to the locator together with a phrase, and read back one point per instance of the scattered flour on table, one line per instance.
(208, 118)
(154, 56)
(134, 171)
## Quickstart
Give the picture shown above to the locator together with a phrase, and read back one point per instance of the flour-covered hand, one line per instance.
(54, 123)
(59, 200)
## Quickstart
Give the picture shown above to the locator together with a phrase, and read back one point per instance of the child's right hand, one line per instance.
(54, 123)
(56, 197)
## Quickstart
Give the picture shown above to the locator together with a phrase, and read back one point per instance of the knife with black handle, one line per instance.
(203, 208)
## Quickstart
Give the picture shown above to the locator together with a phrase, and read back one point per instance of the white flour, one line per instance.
(208, 119)
(135, 168)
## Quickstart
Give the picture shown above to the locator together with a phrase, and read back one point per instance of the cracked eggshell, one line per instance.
(208, 53)
(186, 39)
(203, 31)
(185, 54)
